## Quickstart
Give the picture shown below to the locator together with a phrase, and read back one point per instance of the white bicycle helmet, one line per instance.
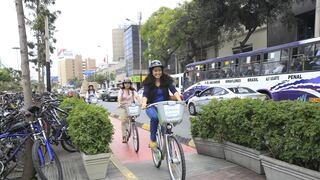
(155, 63)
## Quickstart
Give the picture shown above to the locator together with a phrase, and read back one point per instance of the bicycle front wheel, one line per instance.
(67, 144)
(46, 167)
(135, 137)
(175, 159)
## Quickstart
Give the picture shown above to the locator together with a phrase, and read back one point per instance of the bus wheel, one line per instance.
(192, 109)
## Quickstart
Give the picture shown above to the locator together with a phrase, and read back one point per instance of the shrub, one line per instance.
(71, 102)
(90, 128)
(288, 130)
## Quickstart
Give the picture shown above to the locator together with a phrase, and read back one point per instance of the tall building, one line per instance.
(70, 68)
(89, 64)
(131, 54)
(117, 44)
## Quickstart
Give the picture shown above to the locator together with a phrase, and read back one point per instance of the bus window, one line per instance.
(297, 59)
(313, 57)
(272, 65)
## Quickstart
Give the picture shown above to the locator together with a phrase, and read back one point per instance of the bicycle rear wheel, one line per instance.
(135, 137)
(175, 159)
(45, 167)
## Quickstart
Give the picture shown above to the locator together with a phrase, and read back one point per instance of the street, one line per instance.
(183, 129)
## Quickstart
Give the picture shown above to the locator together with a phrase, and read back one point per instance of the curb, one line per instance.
(186, 141)
(123, 170)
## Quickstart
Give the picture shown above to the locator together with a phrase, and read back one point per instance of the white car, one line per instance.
(202, 98)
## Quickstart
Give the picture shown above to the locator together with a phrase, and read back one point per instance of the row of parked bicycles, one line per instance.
(44, 123)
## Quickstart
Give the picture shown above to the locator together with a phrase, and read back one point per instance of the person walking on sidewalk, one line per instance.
(156, 89)
(91, 93)
(126, 96)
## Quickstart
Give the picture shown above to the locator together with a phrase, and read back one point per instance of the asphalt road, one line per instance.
(183, 129)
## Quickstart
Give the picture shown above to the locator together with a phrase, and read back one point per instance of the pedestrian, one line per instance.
(156, 89)
(126, 96)
(91, 93)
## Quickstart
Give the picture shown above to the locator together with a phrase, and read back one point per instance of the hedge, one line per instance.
(288, 130)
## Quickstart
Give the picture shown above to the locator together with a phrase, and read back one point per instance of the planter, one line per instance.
(243, 156)
(276, 169)
(209, 147)
(96, 165)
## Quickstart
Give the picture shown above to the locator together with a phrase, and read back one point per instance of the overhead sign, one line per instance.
(65, 53)
(88, 72)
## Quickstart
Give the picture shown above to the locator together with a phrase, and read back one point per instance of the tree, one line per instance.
(76, 82)
(240, 16)
(39, 11)
(157, 32)
(28, 171)
(10, 79)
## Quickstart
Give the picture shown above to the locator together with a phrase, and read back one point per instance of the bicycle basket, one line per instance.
(133, 110)
(170, 112)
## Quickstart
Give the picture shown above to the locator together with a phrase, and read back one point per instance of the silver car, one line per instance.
(202, 98)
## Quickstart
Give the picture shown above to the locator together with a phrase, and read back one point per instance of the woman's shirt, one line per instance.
(126, 98)
(159, 94)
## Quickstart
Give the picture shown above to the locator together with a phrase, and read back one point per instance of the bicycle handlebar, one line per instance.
(165, 103)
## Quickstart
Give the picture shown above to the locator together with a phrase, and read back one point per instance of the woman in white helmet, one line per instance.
(156, 89)
(126, 96)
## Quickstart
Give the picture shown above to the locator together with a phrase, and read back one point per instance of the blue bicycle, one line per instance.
(45, 160)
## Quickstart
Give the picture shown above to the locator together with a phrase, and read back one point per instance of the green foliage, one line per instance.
(90, 128)
(10, 79)
(71, 102)
(288, 130)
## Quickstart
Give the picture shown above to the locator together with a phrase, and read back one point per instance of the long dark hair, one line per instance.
(165, 79)
(130, 89)
(92, 88)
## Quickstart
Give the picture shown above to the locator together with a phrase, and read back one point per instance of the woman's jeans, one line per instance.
(153, 115)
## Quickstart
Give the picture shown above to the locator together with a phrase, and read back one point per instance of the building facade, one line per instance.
(117, 44)
(70, 68)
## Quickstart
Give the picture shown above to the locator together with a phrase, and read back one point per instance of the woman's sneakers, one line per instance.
(124, 139)
(153, 145)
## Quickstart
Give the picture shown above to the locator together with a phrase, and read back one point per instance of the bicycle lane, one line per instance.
(140, 165)
(141, 162)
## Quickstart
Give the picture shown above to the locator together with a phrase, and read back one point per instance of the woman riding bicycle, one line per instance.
(91, 93)
(126, 97)
(156, 89)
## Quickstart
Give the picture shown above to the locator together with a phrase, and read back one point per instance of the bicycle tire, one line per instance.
(128, 129)
(35, 159)
(67, 144)
(135, 138)
(157, 160)
(181, 161)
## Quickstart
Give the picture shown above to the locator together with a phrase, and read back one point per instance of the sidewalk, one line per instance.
(129, 165)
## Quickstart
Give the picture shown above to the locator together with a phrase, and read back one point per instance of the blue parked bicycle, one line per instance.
(45, 160)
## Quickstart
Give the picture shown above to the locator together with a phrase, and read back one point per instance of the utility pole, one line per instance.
(47, 54)
(317, 20)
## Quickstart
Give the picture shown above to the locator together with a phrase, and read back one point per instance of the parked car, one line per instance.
(110, 94)
(202, 98)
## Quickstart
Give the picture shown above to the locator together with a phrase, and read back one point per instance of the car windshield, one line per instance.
(241, 90)
(114, 89)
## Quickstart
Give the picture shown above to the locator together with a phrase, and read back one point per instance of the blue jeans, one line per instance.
(153, 115)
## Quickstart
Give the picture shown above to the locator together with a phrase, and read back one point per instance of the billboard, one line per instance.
(65, 53)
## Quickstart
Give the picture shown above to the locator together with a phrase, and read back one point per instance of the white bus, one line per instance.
(288, 71)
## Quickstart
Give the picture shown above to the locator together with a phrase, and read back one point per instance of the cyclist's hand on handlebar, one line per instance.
(144, 106)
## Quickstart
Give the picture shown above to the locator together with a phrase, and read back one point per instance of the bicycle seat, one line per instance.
(18, 127)
(34, 109)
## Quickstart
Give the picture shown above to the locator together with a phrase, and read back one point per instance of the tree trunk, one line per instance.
(28, 171)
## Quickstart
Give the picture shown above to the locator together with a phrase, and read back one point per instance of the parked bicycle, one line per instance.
(133, 111)
(170, 114)
(45, 160)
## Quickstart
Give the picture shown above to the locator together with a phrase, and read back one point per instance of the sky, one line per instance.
(84, 26)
